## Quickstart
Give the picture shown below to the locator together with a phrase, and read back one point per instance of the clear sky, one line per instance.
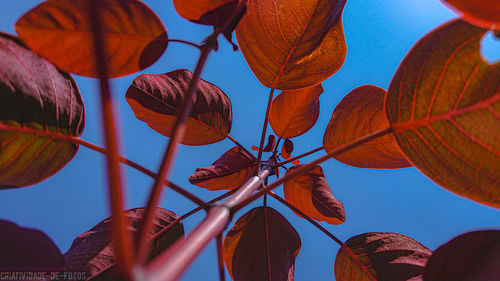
(379, 33)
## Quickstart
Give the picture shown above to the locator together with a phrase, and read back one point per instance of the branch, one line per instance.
(310, 166)
(185, 42)
(347, 250)
(309, 219)
(238, 144)
(121, 237)
(220, 258)
(161, 232)
(138, 167)
(300, 156)
(170, 264)
(178, 132)
(264, 129)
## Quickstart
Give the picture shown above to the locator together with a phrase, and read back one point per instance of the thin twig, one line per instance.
(275, 152)
(185, 42)
(138, 167)
(220, 258)
(300, 156)
(238, 144)
(310, 166)
(178, 132)
(121, 237)
(264, 130)
(309, 219)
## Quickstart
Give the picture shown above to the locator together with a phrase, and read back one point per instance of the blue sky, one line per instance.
(378, 34)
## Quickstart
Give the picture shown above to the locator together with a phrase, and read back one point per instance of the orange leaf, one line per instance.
(37, 100)
(483, 13)
(444, 107)
(60, 31)
(294, 112)
(247, 248)
(228, 172)
(311, 194)
(291, 44)
(381, 256)
(360, 113)
(157, 98)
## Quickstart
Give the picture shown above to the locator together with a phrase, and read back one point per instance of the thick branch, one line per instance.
(121, 237)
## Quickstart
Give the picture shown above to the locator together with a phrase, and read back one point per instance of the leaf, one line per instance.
(38, 102)
(294, 112)
(444, 107)
(271, 142)
(470, 256)
(157, 99)
(292, 44)
(311, 194)
(208, 12)
(287, 149)
(25, 249)
(381, 256)
(246, 248)
(60, 30)
(360, 113)
(92, 253)
(228, 172)
(484, 13)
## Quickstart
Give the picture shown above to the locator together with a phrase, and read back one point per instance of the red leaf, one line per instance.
(228, 172)
(295, 112)
(287, 149)
(443, 107)
(470, 256)
(38, 102)
(311, 194)
(271, 142)
(484, 13)
(24, 249)
(381, 256)
(157, 98)
(60, 31)
(247, 248)
(91, 252)
(292, 44)
(208, 12)
(360, 113)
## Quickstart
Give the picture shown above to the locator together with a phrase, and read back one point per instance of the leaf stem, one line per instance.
(275, 152)
(264, 130)
(121, 237)
(309, 219)
(300, 156)
(138, 167)
(185, 42)
(238, 144)
(310, 166)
